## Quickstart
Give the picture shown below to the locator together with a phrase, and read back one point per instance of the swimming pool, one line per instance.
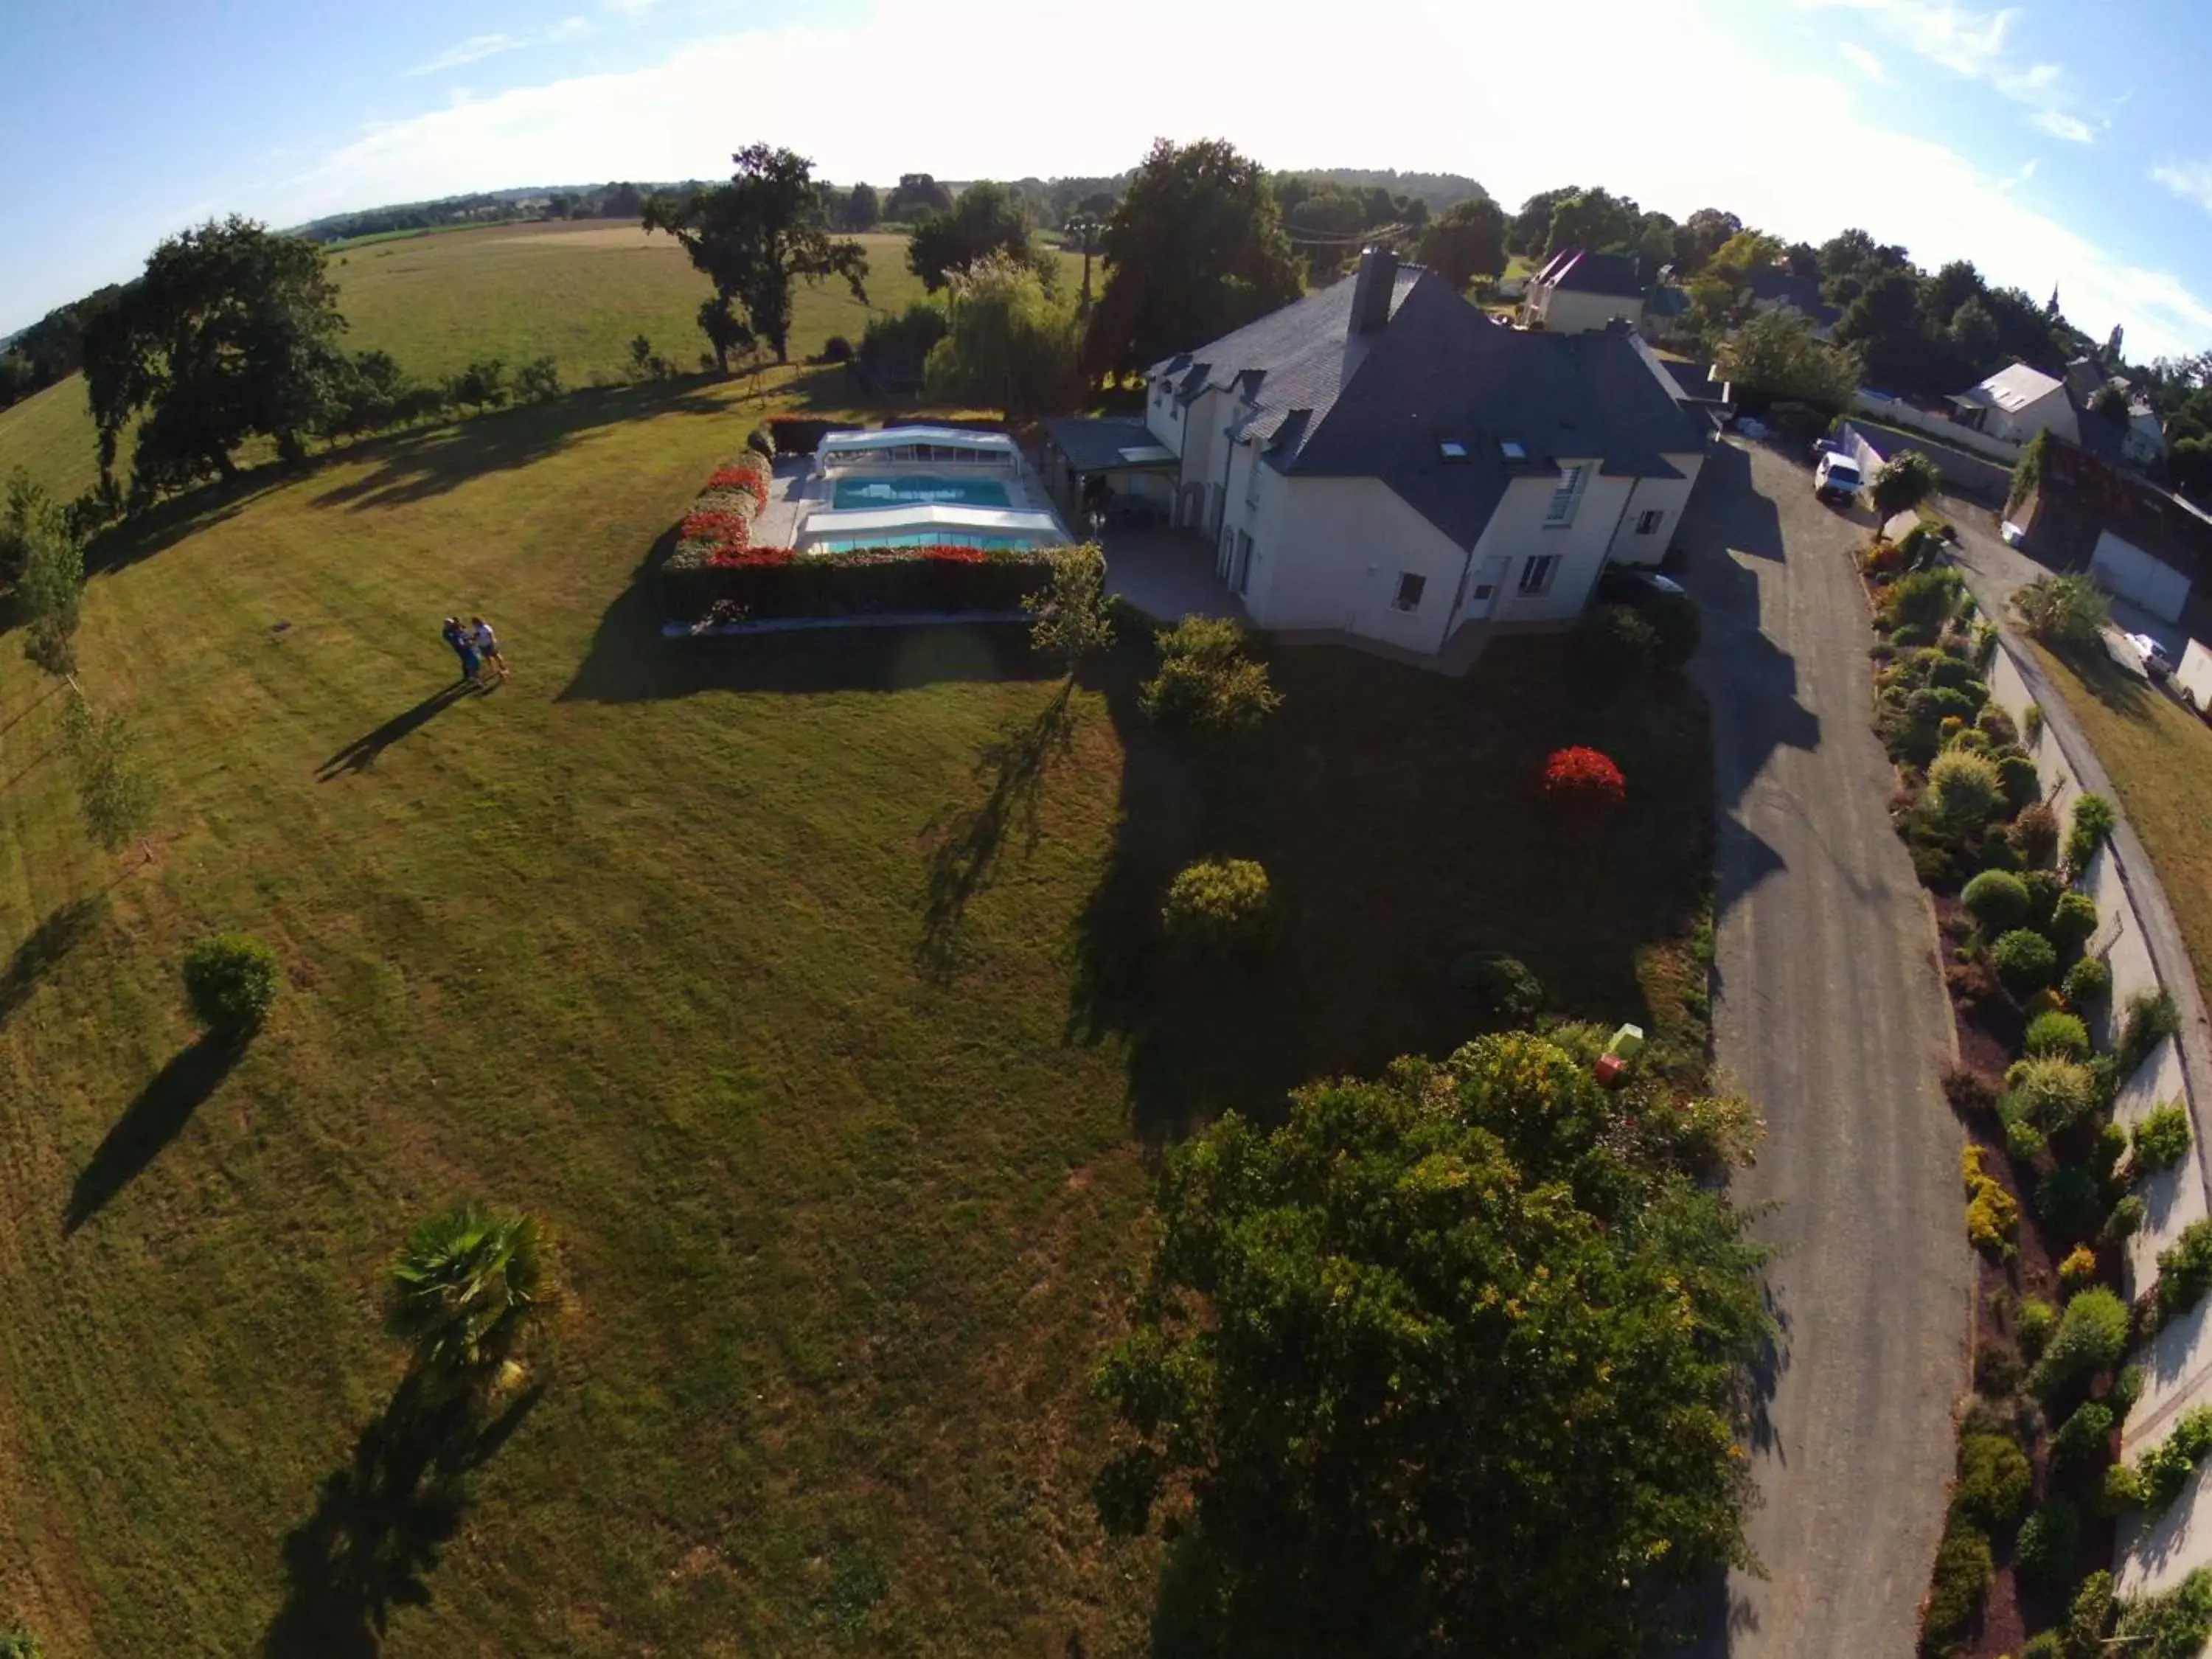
(925, 538)
(864, 491)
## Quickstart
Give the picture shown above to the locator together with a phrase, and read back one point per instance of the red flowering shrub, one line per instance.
(737, 557)
(1585, 780)
(748, 479)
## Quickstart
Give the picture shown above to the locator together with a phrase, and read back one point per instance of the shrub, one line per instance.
(1997, 852)
(1939, 703)
(2045, 1644)
(1992, 1214)
(836, 350)
(2106, 1149)
(230, 981)
(17, 1643)
(1962, 1576)
(1968, 1091)
(777, 583)
(2078, 1270)
(2093, 822)
(1676, 626)
(2044, 887)
(2092, 1335)
(1956, 674)
(2050, 1092)
(1997, 727)
(2088, 982)
(1617, 644)
(1964, 790)
(2023, 1140)
(2066, 1203)
(2162, 1136)
(1496, 989)
(2037, 1319)
(2185, 1270)
(1583, 780)
(2054, 1033)
(1995, 1479)
(2164, 1470)
(1220, 906)
(2024, 960)
(2171, 1626)
(2048, 1539)
(2035, 834)
(2073, 921)
(1997, 900)
(1207, 682)
(2021, 783)
(2088, 1616)
(2031, 724)
(1922, 598)
(2063, 611)
(2085, 1437)
(2127, 1218)
(2151, 1017)
(762, 442)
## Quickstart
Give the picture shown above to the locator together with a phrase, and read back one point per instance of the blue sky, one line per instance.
(2050, 143)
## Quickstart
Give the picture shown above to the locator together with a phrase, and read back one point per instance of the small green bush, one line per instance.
(2109, 1146)
(2045, 1644)
(2088, 982)
(2073, 921)
(1496, 989)
(2092, 1335)
(2185, 1270)
(2054, 1033)
(1922, 598)
(2025, 960)
(2084, 1437)
(17, 1643)
(2127, 1218)
(1205, 680)
(1220, 906)
(2048, 1539)
(2021, 782)
(2093, 822)
(1997, 725)
(1997, 852)
(1997, 900)
(1912, 634)
(2162, 1136)
(1995, 1479)
(230, 981)
(2024, 1140)
(2151, 1017)
(2044, 887)
(2035, 834)
(762, 442)
(2052, 1092)
(2172, 1625)
(1964, 1572)
(1963, 789)
(2037, 1319)
(2066, 1202)
(1617, 644)
(1676, 626)
(1957, 675)
(2087, 1616)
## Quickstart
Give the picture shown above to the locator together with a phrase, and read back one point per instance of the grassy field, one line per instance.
(808, 988)
(577, 293)
(2160, 756)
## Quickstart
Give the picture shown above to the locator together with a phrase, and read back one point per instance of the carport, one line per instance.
(1109, 466)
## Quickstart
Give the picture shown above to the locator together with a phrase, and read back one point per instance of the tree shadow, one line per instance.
(363, 751)
(2128, 695)
(43, 949)
(967, 845)
(418, 465)
(379, 1523)
(149, 1123)
(630, 660)
(163, 526)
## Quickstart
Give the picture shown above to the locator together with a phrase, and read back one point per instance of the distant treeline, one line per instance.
(609, 200)
(52, 347)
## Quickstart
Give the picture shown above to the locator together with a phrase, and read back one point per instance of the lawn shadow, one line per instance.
(379, 1523)
(153, 1119)
(630, 660)
(967, 846)
(363, 751)
(163, 525)
(43, 949)
(2126, 695)
(415, 466)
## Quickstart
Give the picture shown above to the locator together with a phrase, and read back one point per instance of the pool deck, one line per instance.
(795, 491)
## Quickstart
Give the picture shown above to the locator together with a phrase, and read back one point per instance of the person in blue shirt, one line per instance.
(464, 647)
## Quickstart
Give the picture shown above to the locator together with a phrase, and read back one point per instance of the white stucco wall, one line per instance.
(1327, 554)
(2051, 412)
(1668, 496)
(1566, 312)
(1517, 532)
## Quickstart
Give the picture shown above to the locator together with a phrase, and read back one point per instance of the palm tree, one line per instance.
(465, 1290)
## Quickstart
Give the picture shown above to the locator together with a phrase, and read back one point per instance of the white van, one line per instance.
(1837, 478)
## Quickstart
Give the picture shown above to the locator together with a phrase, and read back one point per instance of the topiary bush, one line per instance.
(2043, 1554)
(2088, 983)
(1997, 900)
(2073, 921)
(1496, 989)
(2127, 1218)
(2054, 1033)
(1207, 682)
(1584, 781)
(1997, 852)
(2021, 783)
(1923, 598)
(2037, 1319)
(762, 442)
(1910, 635)
(2084, 1437)
(2025, 960)
(1995, 1479)
(2035, 836)
(2077, 1270)
(1964, 1570)
(2092, 1335)
(2050, 1092)
(1220, 906)
(2094, 820)
(1997, 725)
(2185, 1270)
(230, 981)
(2151, 1017)
(1964, 790)
(2162, 1137)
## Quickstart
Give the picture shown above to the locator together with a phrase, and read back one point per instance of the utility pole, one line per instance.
(1084, 228)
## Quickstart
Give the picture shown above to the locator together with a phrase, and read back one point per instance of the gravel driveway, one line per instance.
(1829, 1012)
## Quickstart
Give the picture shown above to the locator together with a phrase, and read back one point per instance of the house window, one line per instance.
(1648, 523)
(1411, 585)
(1536, 575)
(1568, 497)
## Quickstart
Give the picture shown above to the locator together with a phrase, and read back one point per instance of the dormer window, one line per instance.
(1512, 449)
(1451, 449)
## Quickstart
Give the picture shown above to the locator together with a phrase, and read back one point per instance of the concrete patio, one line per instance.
(1166, 574)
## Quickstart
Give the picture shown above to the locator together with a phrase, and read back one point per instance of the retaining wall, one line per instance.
(1896, 412)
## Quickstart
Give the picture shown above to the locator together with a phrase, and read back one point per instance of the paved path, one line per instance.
(1829, 1014)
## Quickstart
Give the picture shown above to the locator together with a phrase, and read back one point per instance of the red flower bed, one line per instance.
(1585, 779)
(746, 478)
(740, 557)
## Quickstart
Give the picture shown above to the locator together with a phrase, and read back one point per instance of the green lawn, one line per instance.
(2160, 756)
(808, 988)
(578, 293)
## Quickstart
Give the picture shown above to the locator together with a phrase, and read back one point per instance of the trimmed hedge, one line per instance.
(776, 584)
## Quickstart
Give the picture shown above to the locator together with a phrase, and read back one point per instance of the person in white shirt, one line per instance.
(487, 645)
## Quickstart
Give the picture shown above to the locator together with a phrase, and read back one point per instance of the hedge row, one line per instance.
(776, 584)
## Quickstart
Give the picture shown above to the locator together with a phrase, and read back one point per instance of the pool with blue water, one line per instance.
(917, 488)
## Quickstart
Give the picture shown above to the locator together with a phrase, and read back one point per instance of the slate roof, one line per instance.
(1697, 381)
(1773, 282)
(1577, 271)
(1112, 443)
(2011, 389)
(1330, 404)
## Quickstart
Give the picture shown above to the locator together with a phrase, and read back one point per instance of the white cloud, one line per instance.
(675, 120)
(2191, 180)
(2059, 124)
(1865, 62)
(1974, 44)
(477, 47)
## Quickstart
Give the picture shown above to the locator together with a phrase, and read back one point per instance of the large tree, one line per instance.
(465, 1290)
(1774, 355)
(1884, 323)
(1465, 241)
(1449, 1363)
(1194, 249)
(229, 335)
(752, 238)
(985, 221)
(1012, 345)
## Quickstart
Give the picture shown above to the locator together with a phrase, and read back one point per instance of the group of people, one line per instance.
(477, 646)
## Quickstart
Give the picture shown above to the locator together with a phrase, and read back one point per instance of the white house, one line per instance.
(1577, 290)
(1381, 458)
(2015, 404)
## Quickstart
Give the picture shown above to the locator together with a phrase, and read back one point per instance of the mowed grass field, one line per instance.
(578, 293)
(809, 989)
(2160, 756)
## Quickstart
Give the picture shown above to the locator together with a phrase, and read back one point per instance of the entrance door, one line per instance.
(1485, 576)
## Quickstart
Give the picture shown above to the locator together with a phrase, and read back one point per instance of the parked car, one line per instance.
(1836, 479)
(2155, 662)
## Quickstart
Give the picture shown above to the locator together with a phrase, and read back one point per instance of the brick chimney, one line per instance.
(1370, 289)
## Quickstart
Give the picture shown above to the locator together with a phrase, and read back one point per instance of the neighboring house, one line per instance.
(1381, 458)
(1666, 314)
(2015, 404)
(1577, 290)
(2138, 440)
(1777, 287)
(1699, 387)
(2146, 546)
